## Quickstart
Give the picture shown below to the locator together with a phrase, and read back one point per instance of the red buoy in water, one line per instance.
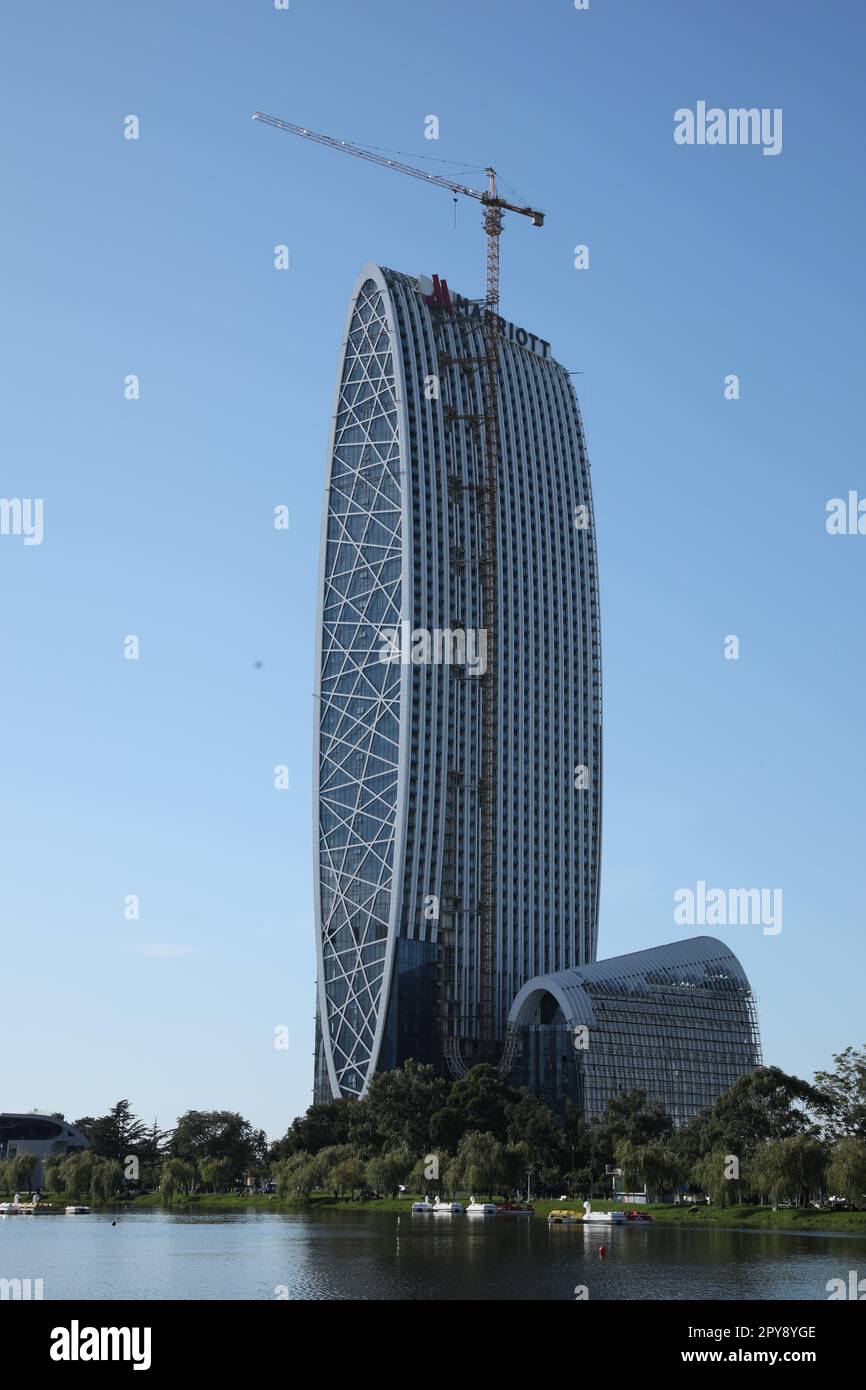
(602, 1250)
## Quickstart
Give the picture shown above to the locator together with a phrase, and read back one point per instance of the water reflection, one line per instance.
(373, 1255)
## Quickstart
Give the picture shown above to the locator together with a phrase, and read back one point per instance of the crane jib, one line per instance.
(489, 197)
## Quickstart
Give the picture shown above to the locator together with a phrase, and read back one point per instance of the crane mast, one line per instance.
(489, 570)
(494, 206)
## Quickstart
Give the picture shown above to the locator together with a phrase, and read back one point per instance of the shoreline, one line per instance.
(791, 1220)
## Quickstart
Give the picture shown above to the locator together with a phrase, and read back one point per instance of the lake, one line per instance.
(383, 1255)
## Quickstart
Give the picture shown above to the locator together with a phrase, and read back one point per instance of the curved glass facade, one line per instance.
(676, 1021)
(359, 695)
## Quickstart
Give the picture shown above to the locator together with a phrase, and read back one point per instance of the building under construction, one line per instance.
(404, 673)
(458, 766)
(404, 664)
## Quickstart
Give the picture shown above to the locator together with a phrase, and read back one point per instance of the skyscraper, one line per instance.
(400, 659)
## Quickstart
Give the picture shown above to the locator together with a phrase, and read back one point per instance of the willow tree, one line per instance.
(297, 1176)
(787, 1169)
(718, 1173)
(177, 1176)
(107, 1179)
(387, 1171)
(20, 1169)
(482, 1164)
(52, 1173)
(216, 1173)
(846, 1172)
(76, 1171)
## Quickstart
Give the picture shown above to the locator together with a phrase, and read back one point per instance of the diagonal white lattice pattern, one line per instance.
(360, 694)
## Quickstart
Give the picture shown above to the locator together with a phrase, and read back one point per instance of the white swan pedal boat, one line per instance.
(589, 1217)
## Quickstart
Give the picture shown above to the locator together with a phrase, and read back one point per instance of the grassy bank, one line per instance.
(764, 1218)
(759, 1218)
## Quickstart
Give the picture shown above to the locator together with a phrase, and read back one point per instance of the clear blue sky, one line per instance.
(155, 257)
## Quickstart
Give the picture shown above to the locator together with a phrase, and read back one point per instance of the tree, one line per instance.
(348, 1175)
(769, 1173)
(656, 1164)
(106, 1179)
(385, 1172)
(807, 1159)
(177, 1176)
(630, 1117)
(204, 1134)
(450, 1174)
(397, 1109)
(297, 1176)
(151, 1153)
(116, 1135)
(846, 1173)
(716, 1175)
(577, 1139)
(764, 1104)
(52, 1172)
(259, 1160)
(321, 1126)
(662, 1166)
(326, 1161)
(479, 1101)
(76, 1171)
(216, 1173)
(481, 1165)
(425, 1174)
(628, 1159)
(788, 1169)
(843, 1095)
(20, 1169)
(539, 1133)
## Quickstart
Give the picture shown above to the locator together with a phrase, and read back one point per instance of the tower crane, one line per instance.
(494, 207)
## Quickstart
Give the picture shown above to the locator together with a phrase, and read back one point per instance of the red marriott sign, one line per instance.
(436, 292)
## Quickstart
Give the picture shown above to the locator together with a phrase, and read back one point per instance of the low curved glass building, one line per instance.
(677, 1021)
(43, 1136)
